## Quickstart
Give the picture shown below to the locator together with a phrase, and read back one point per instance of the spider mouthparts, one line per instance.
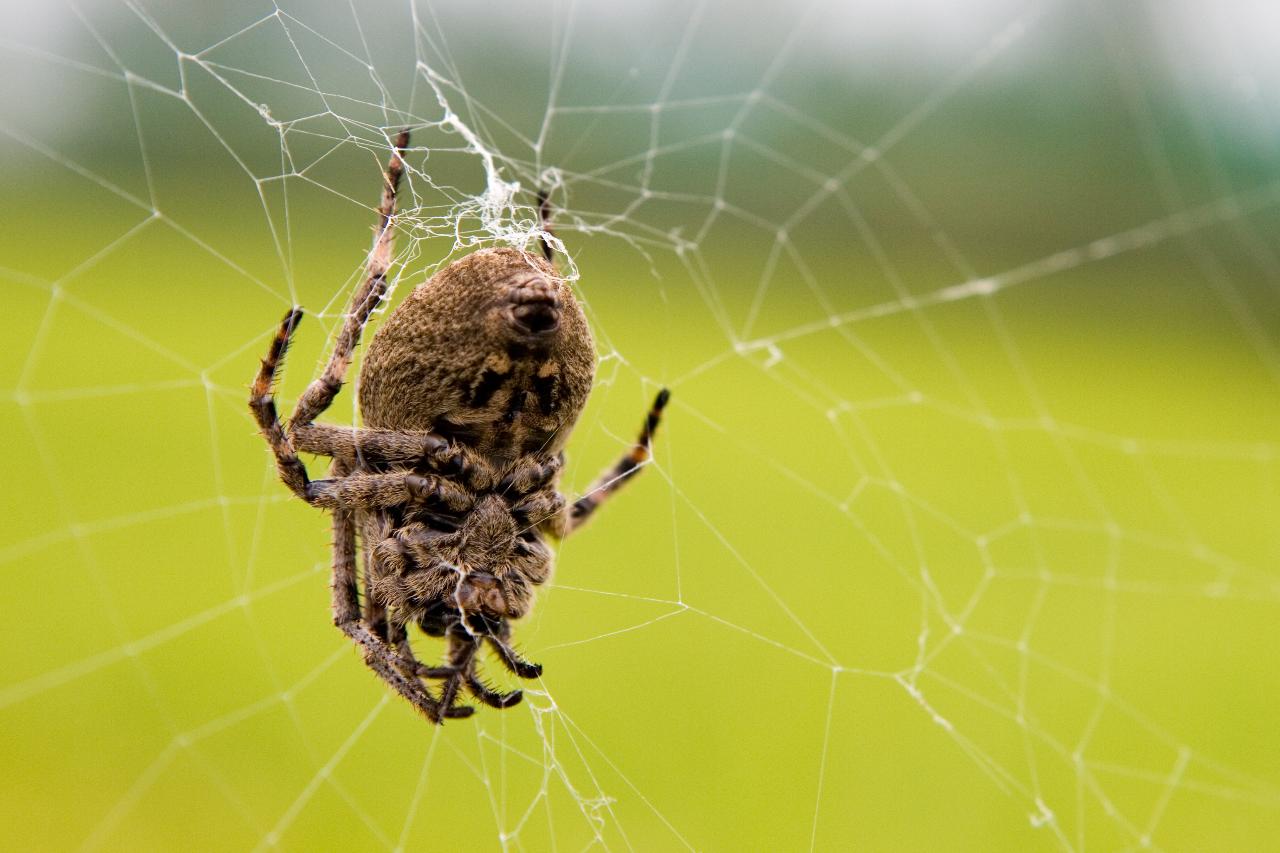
(480, 591)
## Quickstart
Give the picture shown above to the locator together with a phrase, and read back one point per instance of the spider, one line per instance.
(468, 394)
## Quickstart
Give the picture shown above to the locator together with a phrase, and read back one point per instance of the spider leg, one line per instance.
(382, 490)
(500, 640)
(626, 468)
(321, 391)
(374, 612)
(262, 403)
(461, 671)
(543, 510)
(391, 447)
(513, 661)
(529, 476)
(544, 214)
(378, 655)
(400, 639)
(462, 651)
(373, 445)
(489, 696)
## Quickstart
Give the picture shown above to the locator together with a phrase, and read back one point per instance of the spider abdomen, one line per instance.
(493, 351)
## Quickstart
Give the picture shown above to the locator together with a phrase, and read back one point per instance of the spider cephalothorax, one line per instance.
(469, 392)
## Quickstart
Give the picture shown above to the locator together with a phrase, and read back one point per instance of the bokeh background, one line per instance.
(962, 529)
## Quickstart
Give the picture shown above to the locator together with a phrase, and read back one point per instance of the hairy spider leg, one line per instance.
(262, 403)
(415, 448)
(463, 650)
(378, 655)
(364, 490)
(462, 656)
(374, 612)
(352, 490)
(510, 659)
(320, 393)
(627, 467)
(489, 696)
(377, 446)
(367, 491)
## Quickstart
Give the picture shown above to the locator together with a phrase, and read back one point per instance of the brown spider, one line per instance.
(468, 394)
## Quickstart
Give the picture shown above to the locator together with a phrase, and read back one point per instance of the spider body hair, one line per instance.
(492, 351)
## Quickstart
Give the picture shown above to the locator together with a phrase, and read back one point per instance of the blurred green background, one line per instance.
(961, 532)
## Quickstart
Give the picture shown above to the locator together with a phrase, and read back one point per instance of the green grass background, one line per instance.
(997, 573)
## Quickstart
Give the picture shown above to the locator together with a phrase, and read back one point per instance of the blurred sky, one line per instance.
(1224, 51)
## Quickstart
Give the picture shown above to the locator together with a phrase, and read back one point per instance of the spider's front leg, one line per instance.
(464, 648)
(262, 403)
(500, 639)
(460, 670)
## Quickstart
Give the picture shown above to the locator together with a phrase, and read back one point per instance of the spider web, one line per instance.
(961, 527)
